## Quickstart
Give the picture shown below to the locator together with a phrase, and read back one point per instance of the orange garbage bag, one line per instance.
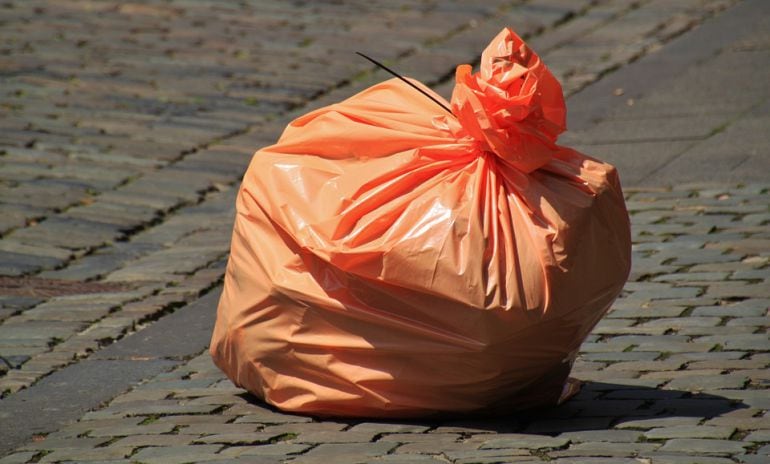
(389, 259)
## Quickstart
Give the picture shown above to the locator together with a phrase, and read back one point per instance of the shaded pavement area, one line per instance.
(127, 125)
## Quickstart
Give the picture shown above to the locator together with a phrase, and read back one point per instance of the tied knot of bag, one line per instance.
(513, 107)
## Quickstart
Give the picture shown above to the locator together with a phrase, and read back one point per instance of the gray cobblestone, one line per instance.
(137, 441)
(619, 436)
(248, 438)
(600, 449)
(85, 455)
(124, 430)
(702, 446)
(344, 453)
(683, 459)
(524, 441)
(177, 454)
(689, 432)
(388, 428)
(18, 458)
(278, 450)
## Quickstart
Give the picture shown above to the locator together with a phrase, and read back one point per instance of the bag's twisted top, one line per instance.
(512, 107)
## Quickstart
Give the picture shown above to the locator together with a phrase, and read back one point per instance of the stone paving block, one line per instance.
(85, 455)
(177, 454)
(692, 276)
(761, 436)
(136, 441)
(424, 447)
(727, 363)
(523, 441)
(208, 428)
(730, 266)
(421, 437)
(746, 419)
(676, 347)
(744, 342)
(622, 356)
(488, 456)
(746, 308)
(84, 314)
(653, 422)
(37, 330)
(141, 199)
(702, 446)
(18, 458)
(594, 449)
(512, 459)
(752, 458)
(210, 391)
(608, 435)
(758, 322)
(344, 453)
(388, 428)
(677, 323)
(676, 128)
(646, 312)
(611, 346)
(69, 233)
(595, 460)
(663, 458)
(69, 443)
(735, 330)
(760, 356)
(670, 375)
(278, 450)
(717, 382)
(166, 407)
(130, 429)
(255, 414)
(220, 399)
(688, 431)
(638, 366)
(212, 421)
(127, 217)
(16, 264)
(737, 289)
(483, 425)
(750, 397)
(248, 438)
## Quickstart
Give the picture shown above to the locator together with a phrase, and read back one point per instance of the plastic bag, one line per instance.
(391, 260)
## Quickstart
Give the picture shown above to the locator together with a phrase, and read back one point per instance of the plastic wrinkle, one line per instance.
(391, 260)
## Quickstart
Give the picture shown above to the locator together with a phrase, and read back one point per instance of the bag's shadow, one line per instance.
(598, 406)
(601, 406)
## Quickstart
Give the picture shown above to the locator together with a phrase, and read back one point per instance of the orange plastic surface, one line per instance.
(391, 260)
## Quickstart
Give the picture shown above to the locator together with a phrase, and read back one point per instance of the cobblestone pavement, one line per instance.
(677, 372)
(126, 128)
(126, 139)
